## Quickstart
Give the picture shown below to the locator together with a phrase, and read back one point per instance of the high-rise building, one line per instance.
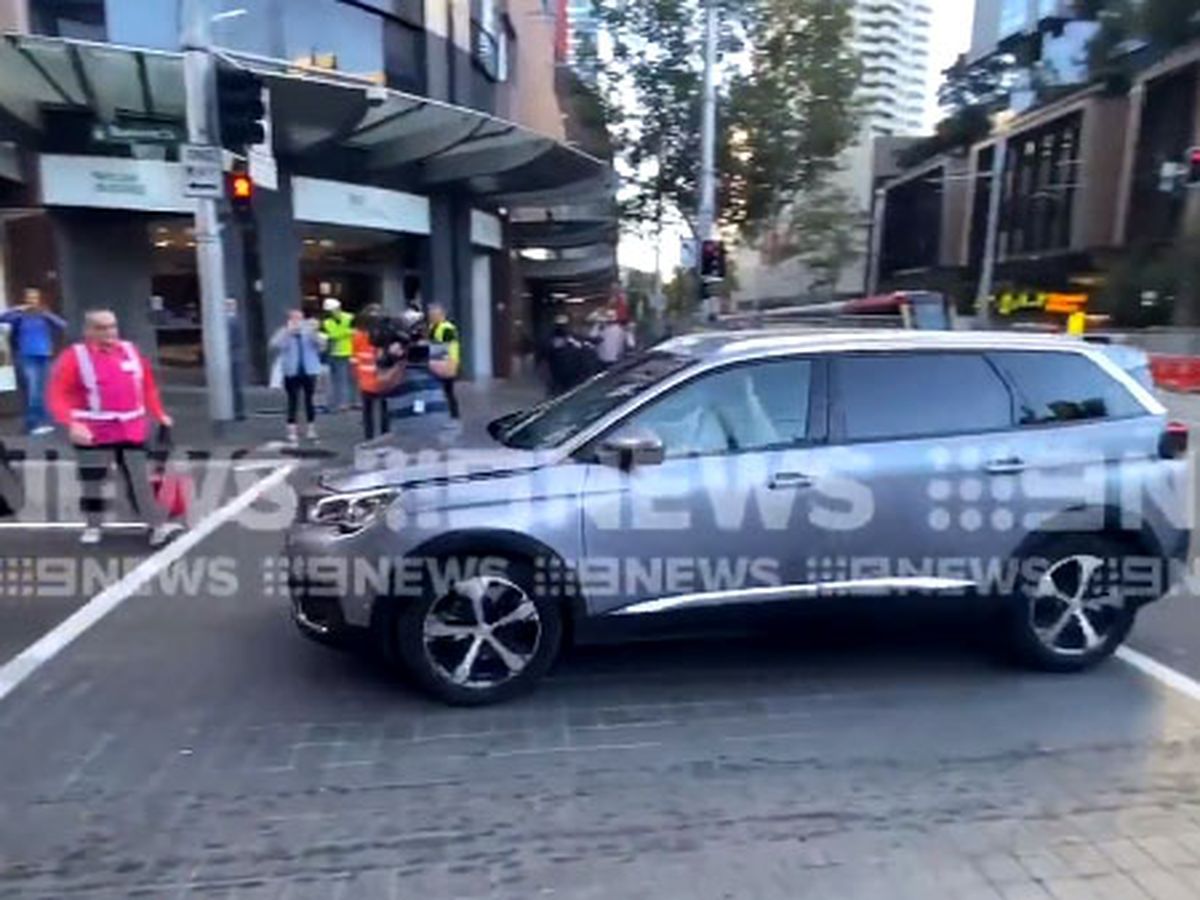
(892, 39)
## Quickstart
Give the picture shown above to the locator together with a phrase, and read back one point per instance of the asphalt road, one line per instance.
(191, 744)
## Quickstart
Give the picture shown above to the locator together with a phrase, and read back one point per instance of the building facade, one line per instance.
(406, 137)
(892, 38)
(1092, 201)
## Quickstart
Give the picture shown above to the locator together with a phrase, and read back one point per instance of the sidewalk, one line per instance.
(263, 429)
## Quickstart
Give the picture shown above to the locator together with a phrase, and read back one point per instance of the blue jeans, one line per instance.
(35, 373)
(340, 395)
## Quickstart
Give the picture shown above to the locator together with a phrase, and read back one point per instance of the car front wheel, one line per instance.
(482, 640)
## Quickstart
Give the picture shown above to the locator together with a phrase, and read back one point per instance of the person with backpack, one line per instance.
(33, 331)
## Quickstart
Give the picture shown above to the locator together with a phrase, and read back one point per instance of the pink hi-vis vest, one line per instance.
(114, 385)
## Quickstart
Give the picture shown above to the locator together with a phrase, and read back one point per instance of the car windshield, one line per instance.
(555, 422)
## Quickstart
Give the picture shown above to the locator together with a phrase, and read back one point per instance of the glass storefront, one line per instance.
(358, 267)
(385, 46)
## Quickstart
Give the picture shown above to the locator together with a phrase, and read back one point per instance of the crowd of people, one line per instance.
(394, 366)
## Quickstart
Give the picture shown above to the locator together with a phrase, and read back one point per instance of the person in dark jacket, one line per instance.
(237, 357)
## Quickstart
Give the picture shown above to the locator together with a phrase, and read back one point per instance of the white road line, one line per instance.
(1173, 679)
(70, 526)
(37, 654)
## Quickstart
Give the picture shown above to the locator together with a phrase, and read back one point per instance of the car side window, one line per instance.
(895, 396)
(1064, 387)
(743, 408)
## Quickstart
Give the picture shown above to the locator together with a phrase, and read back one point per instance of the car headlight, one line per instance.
(352, 512)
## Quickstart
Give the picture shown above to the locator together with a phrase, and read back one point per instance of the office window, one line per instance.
(82, 19)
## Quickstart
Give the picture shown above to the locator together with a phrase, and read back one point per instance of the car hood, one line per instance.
(390, 467)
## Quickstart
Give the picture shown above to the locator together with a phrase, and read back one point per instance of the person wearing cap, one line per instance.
(338, 328)
(103, 391)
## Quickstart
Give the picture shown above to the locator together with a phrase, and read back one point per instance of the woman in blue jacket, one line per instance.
(300, 344)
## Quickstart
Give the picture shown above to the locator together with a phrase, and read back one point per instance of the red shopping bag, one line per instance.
(173, 491)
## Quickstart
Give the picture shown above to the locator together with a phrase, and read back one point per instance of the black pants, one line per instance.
(371, 405)
(295, 385)
(451, 400)
(95, 463)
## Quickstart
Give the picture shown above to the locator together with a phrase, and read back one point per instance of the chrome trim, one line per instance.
(775, 593)
(308, 624)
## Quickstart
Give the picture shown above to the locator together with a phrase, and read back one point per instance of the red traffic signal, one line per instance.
(1193, 167)
(712, 260)
(241, 187)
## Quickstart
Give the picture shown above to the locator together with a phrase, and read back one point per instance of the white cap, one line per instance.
(331, 304)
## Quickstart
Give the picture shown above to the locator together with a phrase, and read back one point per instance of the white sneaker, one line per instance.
(293, 434)
(42, 430)
(312, 432)
(163, 533)
(90, 537)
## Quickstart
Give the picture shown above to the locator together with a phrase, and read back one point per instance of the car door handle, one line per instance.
(790, 481)
(1011, 466)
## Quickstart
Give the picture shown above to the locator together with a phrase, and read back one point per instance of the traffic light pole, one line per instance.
(708, 150)
(199, 81)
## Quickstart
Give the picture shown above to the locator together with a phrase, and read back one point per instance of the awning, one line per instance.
(426, 143)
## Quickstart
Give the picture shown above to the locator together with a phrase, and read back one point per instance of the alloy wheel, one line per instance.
(1073, 610)
(483, 633)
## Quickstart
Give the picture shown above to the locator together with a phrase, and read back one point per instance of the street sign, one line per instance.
(203, 172)
(136, 133)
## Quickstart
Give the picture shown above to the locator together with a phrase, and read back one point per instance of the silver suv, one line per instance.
(743, 469)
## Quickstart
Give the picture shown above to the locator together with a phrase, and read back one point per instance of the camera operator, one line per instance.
(405, 379)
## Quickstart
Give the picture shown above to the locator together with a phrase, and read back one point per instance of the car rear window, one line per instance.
(892, 396)
(1064, 387)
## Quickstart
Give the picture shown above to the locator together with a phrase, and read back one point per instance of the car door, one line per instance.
(726, 516)
(1078, 430)
(929, 434)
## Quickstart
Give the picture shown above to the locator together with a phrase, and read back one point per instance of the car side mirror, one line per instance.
(628, 451)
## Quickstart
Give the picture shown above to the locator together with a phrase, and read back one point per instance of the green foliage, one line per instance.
(1162, 24)
(824, 232)
(782, 119)
(964, 128)
(794, 112)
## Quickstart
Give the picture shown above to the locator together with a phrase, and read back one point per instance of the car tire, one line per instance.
(1070, 610)
(464, 662)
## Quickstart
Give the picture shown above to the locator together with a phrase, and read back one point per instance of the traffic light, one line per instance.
(240, 108)
(712, 260)
(240, 190)
(1193, 167)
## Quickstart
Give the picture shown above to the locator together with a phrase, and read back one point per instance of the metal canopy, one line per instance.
(314, 112)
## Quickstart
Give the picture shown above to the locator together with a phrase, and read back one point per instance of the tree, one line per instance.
(652, 92)
(782, 121)
(793, 112)
(824, 231)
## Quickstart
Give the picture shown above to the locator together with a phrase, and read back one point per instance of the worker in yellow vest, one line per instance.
(445, 353)
(338, 328)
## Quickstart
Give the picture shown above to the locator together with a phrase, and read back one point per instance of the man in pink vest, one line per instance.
(103, 391)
